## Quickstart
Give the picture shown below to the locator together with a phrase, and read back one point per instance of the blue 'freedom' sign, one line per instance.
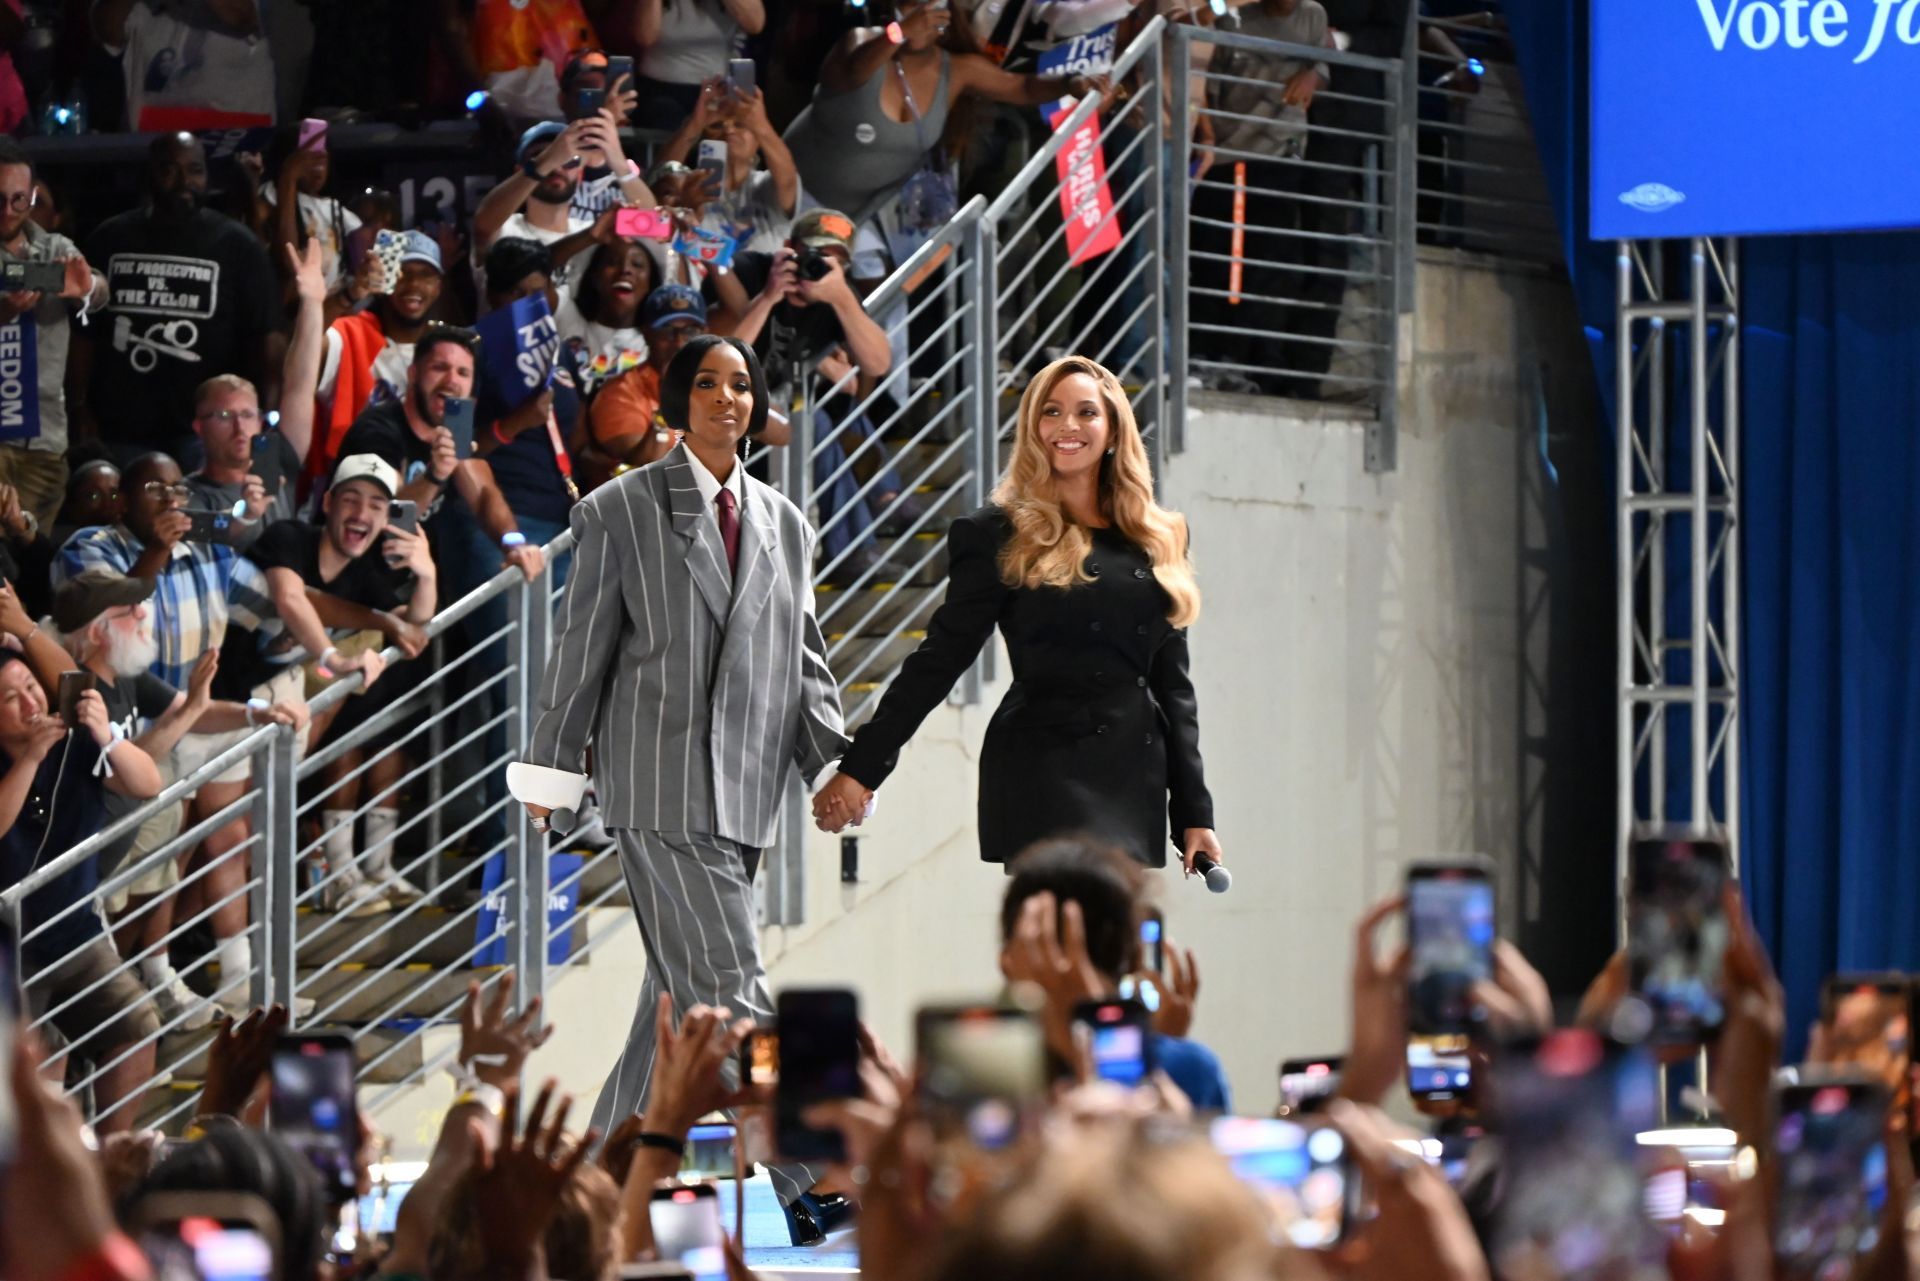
(1751, 117)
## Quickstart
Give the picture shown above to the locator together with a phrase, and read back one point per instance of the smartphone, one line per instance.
(314, 1106)
(266, 462)
(760, 1058)
(1153, 930)
(982, 1072)
(819, 1060)
(206, 526)
(1307, 1084)
(1450, 932)
(710, 1152)
(207, 1236)
(1677, 934)
(459, 421)
(587, 102)
(313, 135)
(379, 1210)
(712, 162)
(1121, 1036)
(18, 275)
(687, 1229)
(72, 686)
(1830, 1142)
(1300, 1171)
(1569, 1108)
(740, 76)
(403, 514)
(643, 224)
(1866, 1022)
(619, 68)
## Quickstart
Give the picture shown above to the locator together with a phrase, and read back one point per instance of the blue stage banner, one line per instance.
(563, 902)
(520, 341)
(1752, 117)
(19, 380)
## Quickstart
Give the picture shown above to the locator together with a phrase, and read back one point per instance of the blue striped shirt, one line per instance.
(203, 587)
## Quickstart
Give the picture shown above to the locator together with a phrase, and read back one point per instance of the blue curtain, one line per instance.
(1830, 701)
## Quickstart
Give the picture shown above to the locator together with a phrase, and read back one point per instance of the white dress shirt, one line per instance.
(710, 486)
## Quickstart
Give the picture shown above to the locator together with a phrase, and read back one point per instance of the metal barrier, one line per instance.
(1479, 177)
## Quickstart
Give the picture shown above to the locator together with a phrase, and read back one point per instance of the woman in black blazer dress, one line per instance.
(1099, 732)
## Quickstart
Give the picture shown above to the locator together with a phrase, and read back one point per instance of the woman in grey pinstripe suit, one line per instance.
(687, 655)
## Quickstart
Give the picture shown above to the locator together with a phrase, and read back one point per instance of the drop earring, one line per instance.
(1109, 451)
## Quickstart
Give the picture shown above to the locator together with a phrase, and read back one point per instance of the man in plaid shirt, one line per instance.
(199, 587)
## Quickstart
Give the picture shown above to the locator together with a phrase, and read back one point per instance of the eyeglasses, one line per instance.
(228, 417)
(19, 200)
(156, 489)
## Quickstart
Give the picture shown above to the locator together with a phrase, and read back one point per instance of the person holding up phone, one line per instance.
(538, 200)
(755, 204)
(411, 435)
(685, 44)
(51, 798)
(246, 466)
(302, 213)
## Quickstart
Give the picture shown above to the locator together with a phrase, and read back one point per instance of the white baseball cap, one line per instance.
(366, 467)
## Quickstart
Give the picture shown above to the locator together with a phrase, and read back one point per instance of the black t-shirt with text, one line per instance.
(189, 296)
(133, 703)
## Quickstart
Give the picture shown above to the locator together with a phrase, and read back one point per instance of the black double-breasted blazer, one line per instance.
(1100, 731)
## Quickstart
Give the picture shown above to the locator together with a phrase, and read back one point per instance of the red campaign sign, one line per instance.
(1085, 200)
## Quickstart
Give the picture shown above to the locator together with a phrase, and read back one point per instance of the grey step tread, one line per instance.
(355, 993)
(430, 934)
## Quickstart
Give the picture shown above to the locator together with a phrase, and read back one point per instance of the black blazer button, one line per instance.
(1140, 681)
(1096, 626)
(1139, 573)
(1093, 570)
(1100, 729)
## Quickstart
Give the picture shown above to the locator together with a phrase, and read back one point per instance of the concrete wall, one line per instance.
(1362, 666)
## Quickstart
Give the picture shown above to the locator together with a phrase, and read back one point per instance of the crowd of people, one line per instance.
(1017, 1153)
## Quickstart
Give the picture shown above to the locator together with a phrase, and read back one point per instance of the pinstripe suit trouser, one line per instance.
(693, 897)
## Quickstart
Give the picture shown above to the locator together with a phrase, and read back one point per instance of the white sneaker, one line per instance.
(353, 895)
(396, 889)
(175, 1000)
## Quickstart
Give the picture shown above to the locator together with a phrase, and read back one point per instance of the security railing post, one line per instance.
(525, 909)
(1166, 438)
(276, 865)
(1403, 126)
(436, 758)
(1179, 233)
(982, 243)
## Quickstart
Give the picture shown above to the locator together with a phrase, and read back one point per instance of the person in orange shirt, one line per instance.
(624, 422)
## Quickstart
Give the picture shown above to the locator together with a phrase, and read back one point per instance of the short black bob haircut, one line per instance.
(676, 384)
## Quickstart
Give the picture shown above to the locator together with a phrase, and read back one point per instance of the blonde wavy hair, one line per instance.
(1046, 549)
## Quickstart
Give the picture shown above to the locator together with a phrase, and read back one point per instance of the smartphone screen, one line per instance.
(1677, 933)
(1120, 1036)
(208, 1250)
(1450, 932)
(687, 1229)
(314, 1107)
(1307, 1084)
(760, 1058)
(710, 1152)
(1153, 930)
(209, 526)
(740, 75)
(819, 1060)
(1299, 1171)
(459, 421)
(1831, 1146)
(1570, 1109)
(982, 1072)
(1866, 1022)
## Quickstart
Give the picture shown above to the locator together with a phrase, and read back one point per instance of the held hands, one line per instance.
(841, 804)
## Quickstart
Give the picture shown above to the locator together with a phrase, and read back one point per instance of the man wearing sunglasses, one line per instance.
(33, 425)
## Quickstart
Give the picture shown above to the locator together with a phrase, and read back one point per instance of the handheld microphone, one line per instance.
(1219, 879)
(561, 821)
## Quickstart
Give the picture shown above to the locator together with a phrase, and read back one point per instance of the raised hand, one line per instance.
(309, 278)
(517, 1189)
(1049, 950)
(1179, 991)
(1376, 1054)
(494, 1042)
(237, 1059)
(686, 1065)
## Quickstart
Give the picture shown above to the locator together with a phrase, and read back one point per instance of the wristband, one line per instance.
(665, 1142)
(320, 663)
(505, 440)
(530, 168)
(490, 1097)
(511, 539)
(254, 707)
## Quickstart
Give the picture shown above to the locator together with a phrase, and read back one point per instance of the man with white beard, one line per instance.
(106, 624)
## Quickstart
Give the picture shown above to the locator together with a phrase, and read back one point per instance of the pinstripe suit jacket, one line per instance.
(695, 693)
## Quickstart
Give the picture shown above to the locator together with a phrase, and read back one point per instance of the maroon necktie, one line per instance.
(729, 529)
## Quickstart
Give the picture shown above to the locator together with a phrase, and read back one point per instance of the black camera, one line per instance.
(813, 264)
(42, 277)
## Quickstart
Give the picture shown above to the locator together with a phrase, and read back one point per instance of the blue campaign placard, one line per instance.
(563, 902)
(1751, 117)
(19, 379)
(1084, 55)
(520, 341)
